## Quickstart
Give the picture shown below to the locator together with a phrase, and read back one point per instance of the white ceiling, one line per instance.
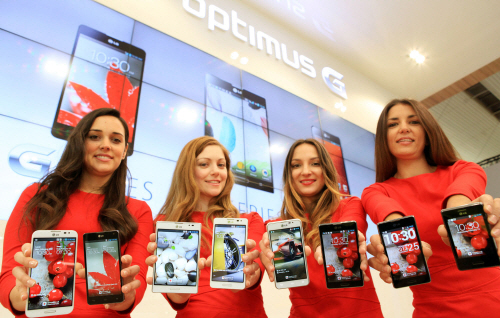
(375, 37)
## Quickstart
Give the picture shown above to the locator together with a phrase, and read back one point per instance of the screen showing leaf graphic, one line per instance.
(103, 267)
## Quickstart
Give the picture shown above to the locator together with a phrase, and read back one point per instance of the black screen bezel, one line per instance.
(395, 224)
(340, 226)
(491, 258)
(99, 236)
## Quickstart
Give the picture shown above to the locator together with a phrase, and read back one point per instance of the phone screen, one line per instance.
(289, 262)
(342, 260)
(470, 236)
(102, 258)
(54, 273)
(177, 257)
(238, 119)
(229, 245)
(332, 145)
(404, 253)
(104, 72)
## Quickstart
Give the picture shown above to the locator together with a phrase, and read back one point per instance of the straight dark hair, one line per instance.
(438, 149)
(46, 209)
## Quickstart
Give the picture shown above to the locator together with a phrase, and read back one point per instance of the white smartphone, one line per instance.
(178, 246)
(287, 243)
(228, 244)
(54, 291)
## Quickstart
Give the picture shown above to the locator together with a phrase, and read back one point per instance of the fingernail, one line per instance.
(489, 208)
(32, 263)
(106, 306)
(495, 233)
(125, 289)
(493, 219)
(31, 283)
(244, 258)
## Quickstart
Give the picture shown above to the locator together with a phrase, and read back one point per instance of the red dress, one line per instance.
(81, 216)
(451, 293)
(315, 300)
(210, 302)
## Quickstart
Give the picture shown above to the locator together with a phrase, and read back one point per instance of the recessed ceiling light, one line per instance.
(419, 58)
(244, 60)
(234, 55)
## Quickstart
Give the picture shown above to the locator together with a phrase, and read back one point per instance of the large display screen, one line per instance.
(169, 93)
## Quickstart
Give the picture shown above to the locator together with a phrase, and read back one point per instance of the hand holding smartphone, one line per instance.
(228, 244)
(403, 248)
(287, 243)
(176, 270)
(103, 267)
(341, 261)
(53, 294)
(470, 236)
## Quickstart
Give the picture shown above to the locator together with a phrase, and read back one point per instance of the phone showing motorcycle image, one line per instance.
(332, 145)
(103, 267)
(470, 238)
(176, 270)
(228, 245)
(403, 249)
(104, 72)
(287, 243)
(339, 246)
(53, 293)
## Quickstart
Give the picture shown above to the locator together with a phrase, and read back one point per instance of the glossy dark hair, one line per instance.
(438, 149)
(46, 209)
(328, 199)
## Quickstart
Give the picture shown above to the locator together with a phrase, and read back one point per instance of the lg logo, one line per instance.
(220, 19)
(30, 160)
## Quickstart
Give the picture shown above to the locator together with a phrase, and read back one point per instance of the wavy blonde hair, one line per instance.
(184, 192)
(293, 206)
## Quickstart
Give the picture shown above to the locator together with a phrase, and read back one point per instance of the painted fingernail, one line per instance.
(495, 233)
(32, 263)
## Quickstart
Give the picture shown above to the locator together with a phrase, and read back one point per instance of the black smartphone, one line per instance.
(103, 267)
(332, 145)
(403, 249)
(470, 238)
(104, 72)
(238, 119)
(341, 261)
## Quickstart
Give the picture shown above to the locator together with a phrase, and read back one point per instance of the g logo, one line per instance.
(336, 85)
(30, 160)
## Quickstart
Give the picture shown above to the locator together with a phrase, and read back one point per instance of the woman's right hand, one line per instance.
(19, 294)
(380, 262)
(151, 261)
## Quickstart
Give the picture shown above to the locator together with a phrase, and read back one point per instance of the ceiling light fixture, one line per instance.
(234, 55)
(244, 60)
(419, 58)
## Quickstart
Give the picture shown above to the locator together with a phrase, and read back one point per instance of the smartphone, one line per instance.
(332, 145)
(103, 72)
(228, 244)
(470, 238)
(238, 119)
(178, 245)
(54, 291)
(103, 267)
(341, 261)
(403, 249)
(287, 243)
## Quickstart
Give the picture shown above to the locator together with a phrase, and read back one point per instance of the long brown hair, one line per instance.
(48, 206)
(184, 193)
(293, 206)
(438, 149)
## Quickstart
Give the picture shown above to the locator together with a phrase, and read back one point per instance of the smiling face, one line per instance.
(307, 173)
(105, 148)
(405, 135)
(210, 173)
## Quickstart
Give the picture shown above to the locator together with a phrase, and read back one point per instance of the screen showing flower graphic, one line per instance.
(341, 255)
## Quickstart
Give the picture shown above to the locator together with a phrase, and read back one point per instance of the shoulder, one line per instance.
(462, 166)
(252, 217)
(276, 219)
(377, 187)
(351, 202)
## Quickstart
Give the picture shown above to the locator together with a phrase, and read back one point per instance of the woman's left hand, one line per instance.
(318, 255)
(491, 207)
(130, 284)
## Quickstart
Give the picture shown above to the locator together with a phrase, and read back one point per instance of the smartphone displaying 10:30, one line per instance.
(104, 73)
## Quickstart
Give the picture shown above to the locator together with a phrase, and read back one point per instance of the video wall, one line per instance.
(59, 59)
